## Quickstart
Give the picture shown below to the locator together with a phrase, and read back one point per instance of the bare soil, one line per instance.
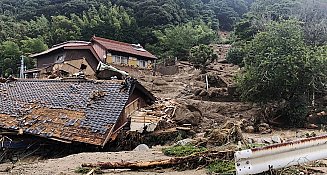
(68, 165)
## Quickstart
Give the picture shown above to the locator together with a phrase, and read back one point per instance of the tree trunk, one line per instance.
(198, 158)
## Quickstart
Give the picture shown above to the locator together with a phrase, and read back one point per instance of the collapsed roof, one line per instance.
(66, 110)
(69, 45)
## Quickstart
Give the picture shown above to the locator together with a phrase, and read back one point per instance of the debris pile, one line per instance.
(229, 133)
(155, 117)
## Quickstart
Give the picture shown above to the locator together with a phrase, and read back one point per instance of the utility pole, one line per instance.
(21, 73)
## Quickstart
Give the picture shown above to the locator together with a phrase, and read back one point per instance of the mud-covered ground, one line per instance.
(68, 165)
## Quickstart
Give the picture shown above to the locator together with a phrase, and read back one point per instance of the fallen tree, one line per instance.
(202, 158)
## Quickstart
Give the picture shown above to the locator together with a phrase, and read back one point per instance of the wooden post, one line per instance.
(207, 82)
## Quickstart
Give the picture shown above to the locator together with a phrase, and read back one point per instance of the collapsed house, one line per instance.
(70, 110)
(65, 59)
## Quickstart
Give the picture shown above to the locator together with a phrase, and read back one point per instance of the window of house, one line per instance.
(60, 59)
(83, 67)
(119, 59)
(142, 63)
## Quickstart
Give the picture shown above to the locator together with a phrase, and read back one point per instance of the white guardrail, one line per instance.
(258, 160)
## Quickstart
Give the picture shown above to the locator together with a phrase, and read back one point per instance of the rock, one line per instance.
(249, 129)
(264, 125)
(151, 127)
(168, 79)
(201, 135)
(214, 92)
(200, 84)
(197, 92)
(250, 141)
(276, 139)
(142, 147)
(203, 93)
(311, 126)
(186, 142)
(184, 115)
(263, 130)
(160, 82)
(257, 140)
(267, 140)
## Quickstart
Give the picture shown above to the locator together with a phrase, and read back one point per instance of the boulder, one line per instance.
(185, 115)
(169, 79)
(276, 139)
(160, 82)
(264, 128)
(203, 93)
(267, 140)
(249, 129)
(142, 147)
(186, 142)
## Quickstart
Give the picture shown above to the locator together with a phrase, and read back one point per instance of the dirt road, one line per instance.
(67, 165)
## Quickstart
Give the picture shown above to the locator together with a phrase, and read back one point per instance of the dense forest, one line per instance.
(280, 45)
(29, 26)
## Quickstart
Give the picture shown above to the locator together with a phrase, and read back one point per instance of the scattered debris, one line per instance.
(228, 133)
(95, 95)
(185, 142)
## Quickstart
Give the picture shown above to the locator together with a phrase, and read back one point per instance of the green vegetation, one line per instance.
(85, 170)
(180, 151)
(177, 41)
(167, 28)
(279, 68)
(202, 55)
(281, 46)
(220, 166)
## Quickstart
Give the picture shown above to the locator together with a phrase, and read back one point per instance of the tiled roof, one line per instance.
(80, 111)
(122, 47)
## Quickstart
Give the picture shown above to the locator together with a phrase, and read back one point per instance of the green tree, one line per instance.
(313, 14)
(39, 27)
(278, 70)
(9, 58)
(201, 56)
(31, 46)
(177, 41)
(63, 29)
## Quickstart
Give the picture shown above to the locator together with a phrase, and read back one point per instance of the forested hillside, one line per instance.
(25, 24)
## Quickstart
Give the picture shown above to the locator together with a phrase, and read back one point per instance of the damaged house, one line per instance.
(65, 59)
(73, 57)
(125, 54)
(70, 110)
